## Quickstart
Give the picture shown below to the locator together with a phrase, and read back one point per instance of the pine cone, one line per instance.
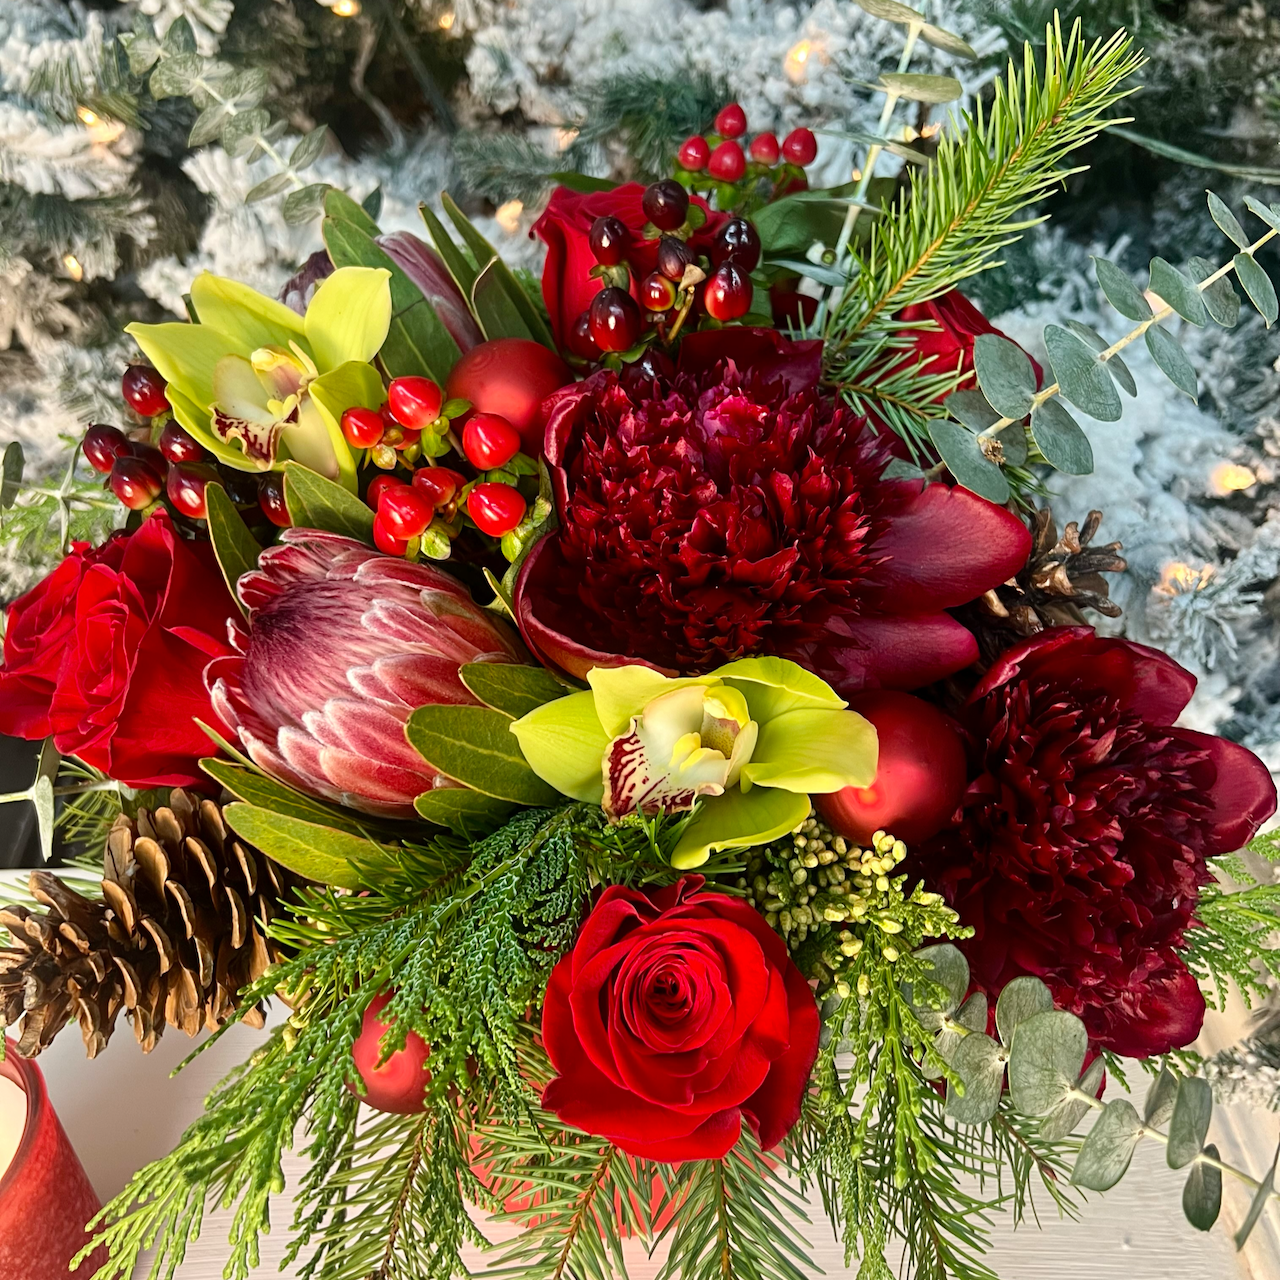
(178, 933)
(1062, 578)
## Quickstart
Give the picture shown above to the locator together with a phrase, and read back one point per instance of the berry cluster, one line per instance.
(412, 422)
(722, 158)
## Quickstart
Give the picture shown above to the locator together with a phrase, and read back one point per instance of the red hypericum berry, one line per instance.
(102, 445)
(186, 484)
(415, 402)
(800, 147)
(404, 511)
(439, 485)
(489, 441)
(609, 239)
(143, 390)
(377, 486)
(665, 204)
(737, 241)
(406, 438)
(615, 320)
(271, 499)
(694, 153)
(495, 508)
(727, 163)
(135, 482)
(729, 291)
(362, 428)
(580, 342)
(386, 541)
(731, 121)
(179, 445)
(764, 148)
(149, 454)
(673, 256)
(658, 293)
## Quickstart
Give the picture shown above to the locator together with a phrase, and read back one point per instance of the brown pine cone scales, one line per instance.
(177, 936)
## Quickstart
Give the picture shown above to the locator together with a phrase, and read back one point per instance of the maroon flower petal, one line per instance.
(1243, 795)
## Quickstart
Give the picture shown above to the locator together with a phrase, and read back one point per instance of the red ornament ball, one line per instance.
(800, 147)
(731, 121)
(399, 1085)
(510, 377)
(920, 777)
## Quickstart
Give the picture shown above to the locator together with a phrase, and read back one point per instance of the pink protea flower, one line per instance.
(342, 644)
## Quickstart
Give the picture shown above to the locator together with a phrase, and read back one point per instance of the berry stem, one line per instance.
(685, 307)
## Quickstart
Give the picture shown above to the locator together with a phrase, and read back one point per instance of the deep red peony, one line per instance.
(948, 348)
(146, 604)
(1085, 832)
(675, 1015)
(564, 227)
(733, 510)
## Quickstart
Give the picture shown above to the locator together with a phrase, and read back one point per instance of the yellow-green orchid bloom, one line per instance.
(747, 744)
(258, 384)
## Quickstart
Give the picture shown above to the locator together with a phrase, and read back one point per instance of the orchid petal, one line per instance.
(813, 751)
(199, 423)
(243, 314)
(349, 316)
(307, 440)
(624, 692)
(776, 685)
(737, 820)
(564, 744)
(241, 411)
(186, 355)
(353, 384)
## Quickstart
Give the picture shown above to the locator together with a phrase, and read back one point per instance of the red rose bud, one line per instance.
(739, 242)
(694, 153)
(489, 441)
(665, 204)
(727, 163)
(178, 445)
(495, 508)
(764, 148)
(657, 293)
(143, 389)
(271, 500)
(731, 121)
(615, 320)
(136, 483)
(415, 402)
(729, 293)
(800, 147)
(362, 428)
(185, 484)
(439, 485)
(102, 445)
(609, 239)
(398, 1084)
(385, 540)
(378, 486)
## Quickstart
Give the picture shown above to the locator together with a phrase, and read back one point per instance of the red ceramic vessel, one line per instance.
(45, 1195)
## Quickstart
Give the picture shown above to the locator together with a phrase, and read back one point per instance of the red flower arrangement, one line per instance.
(1083, 837)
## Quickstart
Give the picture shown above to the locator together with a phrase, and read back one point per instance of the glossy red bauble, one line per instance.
(495, 508)
(694, 153)
(385, 540)
(510, 377)
(439, 485)
(489, 441)
(731, 121)
(729, 293)
(143, 390)
(178, 444)
(665, 204)
(398, 1085)
(102, 445)
(362, 428)
(727, 163)
(764, 148)
(271, 499)
(615, 320)
(920, 774)
(609, 239)
(404, 511)
(415, 402)
(136, 483)
(800, 147)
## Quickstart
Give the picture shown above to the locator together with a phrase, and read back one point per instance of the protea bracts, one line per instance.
(341, 645)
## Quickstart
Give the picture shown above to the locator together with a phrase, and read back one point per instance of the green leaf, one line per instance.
(1121, 292)
(788, 227)
(971, 408)
(11, 470)
(317, 503)
(475, 746)
(1202, 1196)
(209, 123)
(1227, 222)
(1189, 1124)
(1114, 365)
(235, 548)
(494, 305)
(1258, 1203)
(1081, 378)
(1220, 300)
(348, 316)
(948, 42)
(460, 266)
(1172, 360)
(339, 205)
(1258, 286)
(1270, 216)
(979, 1062)
(459, 809)
(142, 52)
(268, 187)
(1064, 1118)
(1005, 375)
(1178, 291)
(318, 852)
(1108, 1148)
(175, 77)
(972, 1015)
(1160, 1098)
(1061, 439)
(1045, 1055)
(921, 88)
(262, 792)
(958, 447)
(1020, 999)
(890, 11)
(304, 204)
(180, 38)
(514, 690)
(242, 132)
(308, 150)
(580, 182)
(42, 795)
(947, 973)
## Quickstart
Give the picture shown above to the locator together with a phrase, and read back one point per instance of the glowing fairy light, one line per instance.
(446, 20)
(508, 216)
(1230, 477)
(88, 118)
(345, 8)
(1177, 578)
(796, 64)
(565, 138)
(72, 266)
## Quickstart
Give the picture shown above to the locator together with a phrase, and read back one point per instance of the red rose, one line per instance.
(674, 1015)
(1084, 835)
(567, 283)
(128, 630)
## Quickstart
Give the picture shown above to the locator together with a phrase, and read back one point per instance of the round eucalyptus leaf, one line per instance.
(1220, 300)
(1060, 438)
(947, 41)
(979, 1062)
(958, 447)
(1044, 1060)
(1117, 367)
(1172, 360)
(1121, 292)
(1261, 1198)
(1189, 1124)
(1080, 374)
(1160, 1099)
(921, 88)
(1108, 1148)
(890, 11)
(972, 1015)
(1257, 284)
(1178, 291)
(1202, 1196)
(971, 408)
(947, 974)
(1005, 375)
(1022, 998)
(1227, 222)
(1271, 216)
(1063, 1119)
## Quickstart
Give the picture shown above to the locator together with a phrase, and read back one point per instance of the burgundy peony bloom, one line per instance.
(675, 1015)
(342, 644)
(1081, 843)
(732, 510)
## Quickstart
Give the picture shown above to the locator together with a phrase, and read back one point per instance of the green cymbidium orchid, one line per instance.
(258, 384)
(747, 744)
